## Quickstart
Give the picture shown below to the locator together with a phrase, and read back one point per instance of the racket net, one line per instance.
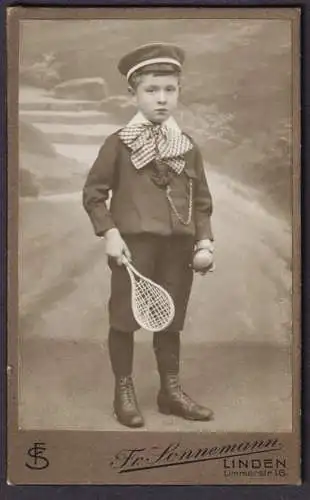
(152, 306)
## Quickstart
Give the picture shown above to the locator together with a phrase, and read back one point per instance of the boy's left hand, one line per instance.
(205, 244)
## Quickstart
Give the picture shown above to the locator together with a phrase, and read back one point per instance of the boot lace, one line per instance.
(127, 390)
(181, 395)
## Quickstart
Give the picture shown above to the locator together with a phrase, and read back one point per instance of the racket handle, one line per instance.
(124, 260)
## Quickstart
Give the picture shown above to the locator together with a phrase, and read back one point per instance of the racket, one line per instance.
(152, 306)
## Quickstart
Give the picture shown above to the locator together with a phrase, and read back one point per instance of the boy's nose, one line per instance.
(162, 97)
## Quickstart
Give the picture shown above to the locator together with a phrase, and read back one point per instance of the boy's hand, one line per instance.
(208, 244)
(116, 246)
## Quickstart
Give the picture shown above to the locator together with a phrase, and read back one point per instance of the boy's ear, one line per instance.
(131, 91)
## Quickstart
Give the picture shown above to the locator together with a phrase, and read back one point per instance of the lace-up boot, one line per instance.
(125, 403)
(172, 400)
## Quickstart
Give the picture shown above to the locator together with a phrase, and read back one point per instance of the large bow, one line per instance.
(149, 142)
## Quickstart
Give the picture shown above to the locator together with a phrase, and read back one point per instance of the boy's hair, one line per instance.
(157, 69)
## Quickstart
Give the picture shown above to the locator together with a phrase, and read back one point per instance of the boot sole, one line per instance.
(167, 411)
(131, 426)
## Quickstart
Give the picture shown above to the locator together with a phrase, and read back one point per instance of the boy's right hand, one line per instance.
(116, 246)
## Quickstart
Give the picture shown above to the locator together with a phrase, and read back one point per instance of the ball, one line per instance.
(203, 259)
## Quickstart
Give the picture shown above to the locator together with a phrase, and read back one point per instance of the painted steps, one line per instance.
(84, 153)
(64, 117)
(76, 128)
(58, 105)
(76, 134)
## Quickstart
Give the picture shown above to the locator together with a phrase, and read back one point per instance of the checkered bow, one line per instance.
(156, 142)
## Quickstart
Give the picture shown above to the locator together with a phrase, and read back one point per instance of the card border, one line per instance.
(294, 179)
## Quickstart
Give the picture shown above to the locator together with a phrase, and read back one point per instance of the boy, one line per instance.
(159, 215)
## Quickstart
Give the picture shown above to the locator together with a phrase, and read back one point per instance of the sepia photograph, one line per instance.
(155, 225)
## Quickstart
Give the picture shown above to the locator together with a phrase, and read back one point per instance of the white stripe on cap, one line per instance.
(154, 60)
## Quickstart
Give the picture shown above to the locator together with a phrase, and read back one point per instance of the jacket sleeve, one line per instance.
(202, 202)
(98, 185)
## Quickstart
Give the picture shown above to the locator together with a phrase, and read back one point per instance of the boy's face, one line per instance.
(157, 96)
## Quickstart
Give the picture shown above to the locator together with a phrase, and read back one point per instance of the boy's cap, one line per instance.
(150, 54)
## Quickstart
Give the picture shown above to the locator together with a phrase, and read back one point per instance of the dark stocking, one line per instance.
(167, 351)
(121, 352)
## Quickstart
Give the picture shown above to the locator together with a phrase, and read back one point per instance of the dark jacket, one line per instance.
(137, 204)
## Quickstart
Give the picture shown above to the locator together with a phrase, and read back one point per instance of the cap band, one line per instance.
(154, 60)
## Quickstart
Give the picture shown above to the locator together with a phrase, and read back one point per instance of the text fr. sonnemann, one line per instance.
(174, 453)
